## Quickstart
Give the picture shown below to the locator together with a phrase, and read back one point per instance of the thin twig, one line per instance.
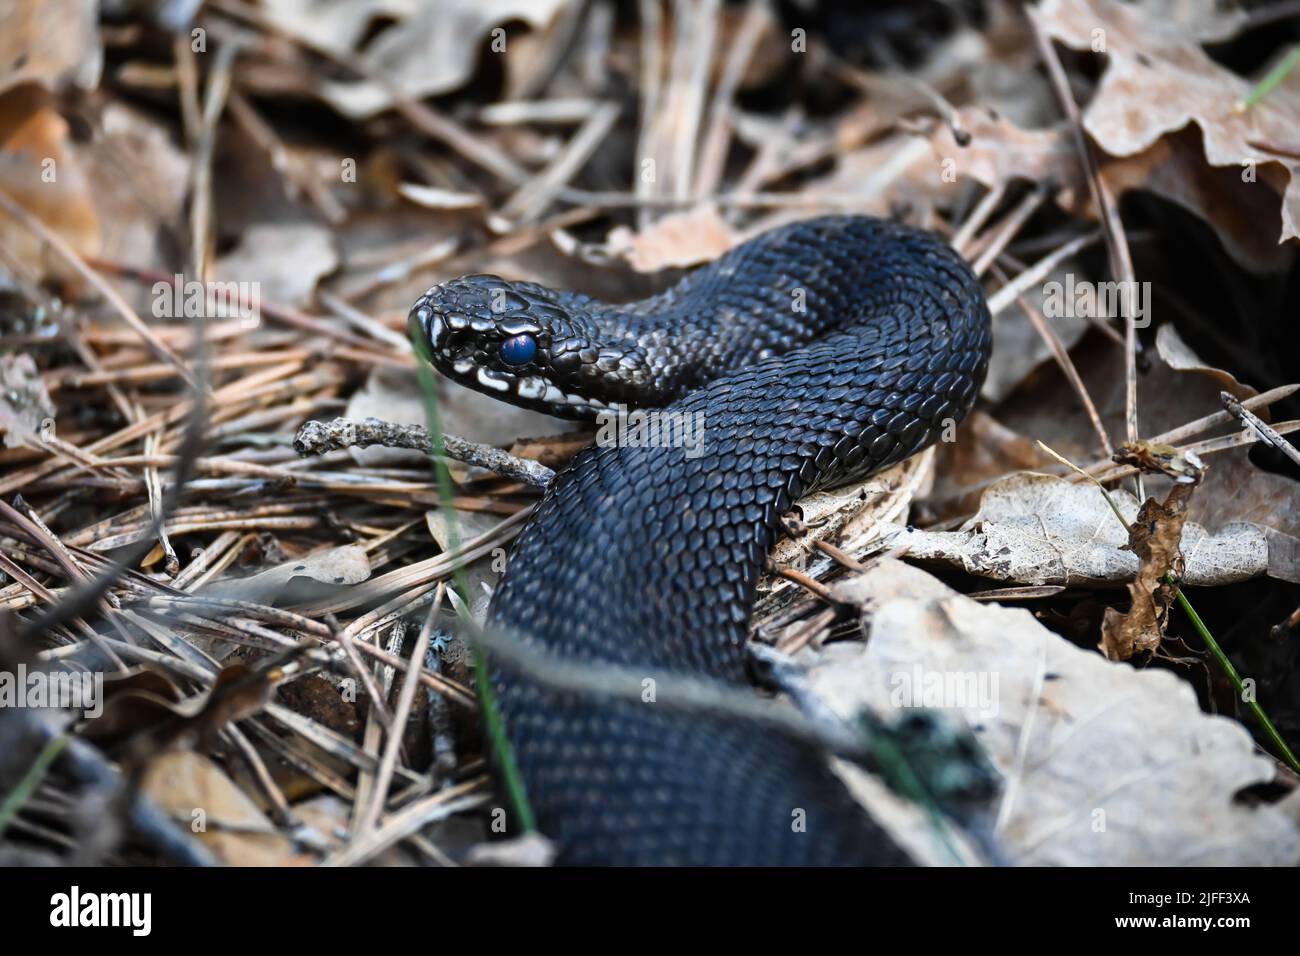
(314, 438)
(1121, 262)
(1261, 427)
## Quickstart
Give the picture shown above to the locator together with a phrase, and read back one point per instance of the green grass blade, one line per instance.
(14, 800)
(1226, 666)
(1275, 76)
(509, 770)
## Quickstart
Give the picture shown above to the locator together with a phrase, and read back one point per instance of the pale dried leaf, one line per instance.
(1041, 529)
(675, 241)
(431, 48)
(286, 260)
(1158, 79)
(337, 567)
(1000, 152)
(50, 42)
(1103, 764)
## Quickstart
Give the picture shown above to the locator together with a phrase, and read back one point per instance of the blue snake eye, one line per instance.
(518, 350)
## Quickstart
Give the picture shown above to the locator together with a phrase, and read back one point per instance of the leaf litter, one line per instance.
(309, 584)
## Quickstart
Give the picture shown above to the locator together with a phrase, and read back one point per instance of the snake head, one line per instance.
(521, 343)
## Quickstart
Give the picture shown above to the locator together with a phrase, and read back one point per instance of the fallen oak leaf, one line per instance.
(1159, 79)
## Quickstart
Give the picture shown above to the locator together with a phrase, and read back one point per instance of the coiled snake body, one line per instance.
(817, 353)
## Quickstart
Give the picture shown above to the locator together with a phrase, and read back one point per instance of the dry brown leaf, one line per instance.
(1158, 79)
(199, 796)
(146, 713)
(286, 260)
(1174, 167)
(1154, 537)
(427, 48)
(50, 42)
(39, 170)
(97, 194)
(136, 202)
(1000, 152)
(675, 241)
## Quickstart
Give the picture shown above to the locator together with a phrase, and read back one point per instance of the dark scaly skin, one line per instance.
(644, 557)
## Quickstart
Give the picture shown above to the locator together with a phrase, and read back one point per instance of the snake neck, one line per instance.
(662, 546)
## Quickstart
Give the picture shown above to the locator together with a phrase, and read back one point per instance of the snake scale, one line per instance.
(818, 353)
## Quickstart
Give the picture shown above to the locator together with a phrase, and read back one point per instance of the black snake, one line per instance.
(818, 353)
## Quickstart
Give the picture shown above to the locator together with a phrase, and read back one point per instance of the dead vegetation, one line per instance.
(271, 606)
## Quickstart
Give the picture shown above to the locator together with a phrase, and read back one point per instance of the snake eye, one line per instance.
(518, 350)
